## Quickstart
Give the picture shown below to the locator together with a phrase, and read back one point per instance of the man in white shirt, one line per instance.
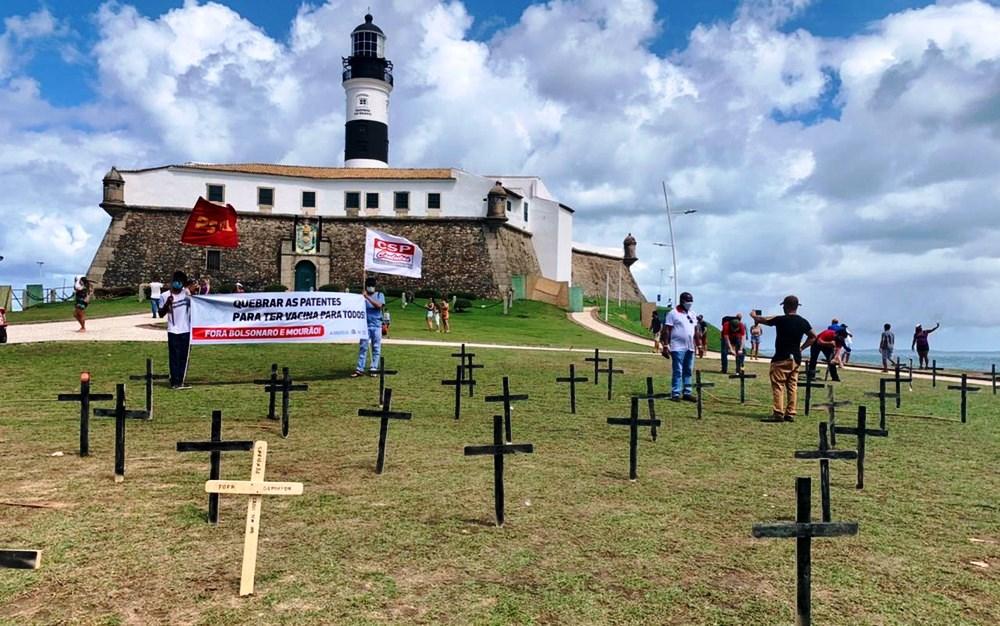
(678, 336)
(175, 305)
(155, 291)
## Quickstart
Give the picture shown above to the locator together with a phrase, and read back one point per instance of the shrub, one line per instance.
(427, 293)
(330, 287)
(224, 288)
(464, 295)
(462, 305)
(275, 287)
(394, 292)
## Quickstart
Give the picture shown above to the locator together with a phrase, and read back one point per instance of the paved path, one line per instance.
(142, 327)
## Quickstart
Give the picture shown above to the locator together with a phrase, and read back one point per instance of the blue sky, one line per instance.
(843, 150)
(71, 83)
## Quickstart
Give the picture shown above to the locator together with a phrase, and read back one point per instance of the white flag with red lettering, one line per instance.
(389, 254)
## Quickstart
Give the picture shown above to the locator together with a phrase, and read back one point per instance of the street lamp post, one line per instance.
(670, 228)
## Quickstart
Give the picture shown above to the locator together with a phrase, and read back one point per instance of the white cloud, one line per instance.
(877, 215)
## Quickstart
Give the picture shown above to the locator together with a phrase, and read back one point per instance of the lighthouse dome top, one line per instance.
(368, 26)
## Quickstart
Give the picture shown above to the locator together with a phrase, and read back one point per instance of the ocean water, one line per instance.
(972, 361)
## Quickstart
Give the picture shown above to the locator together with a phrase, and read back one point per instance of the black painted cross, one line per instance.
(698, 385)
(934, 373)
(897, 380)
(20, 559)
(651, 397)
(831, 410)
(861, 432)
(149, 377)
(458, 383)
(506, 398)
(215, 446)
(497, 451)
(272, 389)
(611, 371)
(573, 379)
(882, 394)
(384, 414)
(803, 529)
(810, 384)
(966, 390)
(633, 422)
(465, 358)
(286, 387)
(596, 360)
(825, 455)
(993, 377)
(84, 398)
(120, 413)
(743, 376)
(382, 373)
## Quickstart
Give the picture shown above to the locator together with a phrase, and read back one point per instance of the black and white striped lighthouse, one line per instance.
(368, 82)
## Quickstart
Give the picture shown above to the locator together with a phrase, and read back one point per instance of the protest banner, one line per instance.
(389, 254)
(293, 317)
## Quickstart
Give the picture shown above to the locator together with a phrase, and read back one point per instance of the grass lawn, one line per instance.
(582, 545)
(63, 311)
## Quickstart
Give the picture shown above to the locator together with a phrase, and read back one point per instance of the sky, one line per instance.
(842, 150)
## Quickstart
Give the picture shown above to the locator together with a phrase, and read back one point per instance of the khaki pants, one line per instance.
(785, 386)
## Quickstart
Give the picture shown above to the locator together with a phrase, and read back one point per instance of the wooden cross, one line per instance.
(993, 377)
(934, 373)
(215, 446)
(465, 358)
(286, 387)
(573, 379)
(506, 398)
(384, 414)
(743, 376)
(498, 450)
(898, 381)
(803, 530)
(633, 422)
(382, 373)
(698, 385)
(882, 394)
(611, 371)
(861, 432)
(825, 455)
(831, 410)
(809, 384)
(84, 398)
(20, 559)
(149, 377)
(462, 354)
(272, 388)
(458, 382)
(597, 360)
(120, 414)
(256, 488)
(966, 390)
(651, 397)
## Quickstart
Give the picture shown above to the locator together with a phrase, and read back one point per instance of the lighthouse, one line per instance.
(367, 82)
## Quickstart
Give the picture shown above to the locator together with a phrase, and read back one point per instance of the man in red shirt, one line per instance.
(826, 342)
(736, 332)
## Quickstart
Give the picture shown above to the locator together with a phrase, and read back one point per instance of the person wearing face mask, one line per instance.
(677, 335)
(175, 305)
(374, 301)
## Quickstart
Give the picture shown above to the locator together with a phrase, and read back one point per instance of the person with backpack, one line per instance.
(82, 292)
(736, 332)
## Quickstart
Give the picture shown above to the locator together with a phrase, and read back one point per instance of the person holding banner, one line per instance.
(175, 305)
(374, 301)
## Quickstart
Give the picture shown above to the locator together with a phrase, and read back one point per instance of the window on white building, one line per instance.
(525, 203)
(401, 200)
(371, 201)
(433, 201)
(308, 199)
(352, 199)
(215, 193)
(265, 196)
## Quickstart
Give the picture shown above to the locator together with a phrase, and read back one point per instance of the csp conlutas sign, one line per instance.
(389, 254)
(295, 317)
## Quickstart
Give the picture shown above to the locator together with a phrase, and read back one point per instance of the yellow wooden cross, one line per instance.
(256, 488)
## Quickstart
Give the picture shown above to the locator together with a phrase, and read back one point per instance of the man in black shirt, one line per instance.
(790, 329)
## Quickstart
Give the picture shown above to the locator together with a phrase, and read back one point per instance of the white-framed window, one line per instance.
(401, 200)
(265, 196)
(308, 199)
(371, 201)
(525, 206)
(433, 201)
(352, 200)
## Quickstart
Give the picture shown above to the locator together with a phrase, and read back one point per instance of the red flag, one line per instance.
(211, 225)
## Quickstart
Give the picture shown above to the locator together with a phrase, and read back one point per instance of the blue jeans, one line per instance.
(682, 363)
(153, 304)
(375, 338)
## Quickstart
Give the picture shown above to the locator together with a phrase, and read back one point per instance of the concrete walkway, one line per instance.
(142, 327)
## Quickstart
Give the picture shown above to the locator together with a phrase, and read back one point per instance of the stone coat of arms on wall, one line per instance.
(306, 235)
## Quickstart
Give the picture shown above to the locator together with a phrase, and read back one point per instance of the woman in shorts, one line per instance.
(431, 312)
(755, 332)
